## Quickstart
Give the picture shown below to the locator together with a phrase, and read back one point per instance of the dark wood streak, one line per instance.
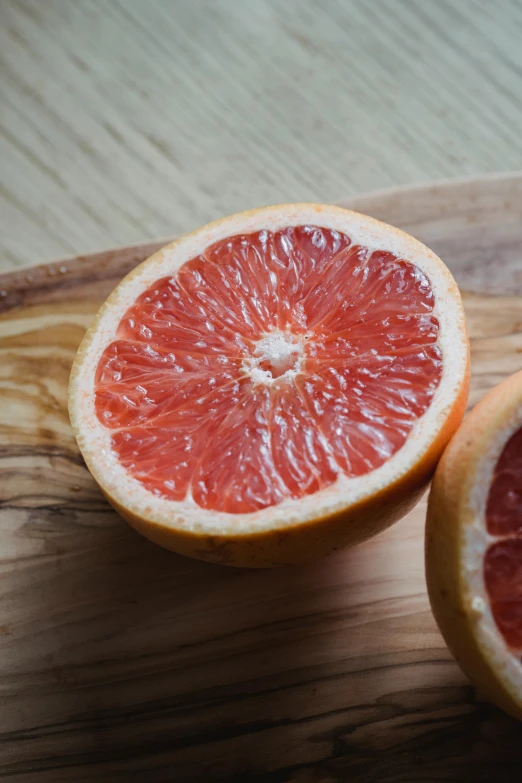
(120, 661)
(73, 278)
(19, 450)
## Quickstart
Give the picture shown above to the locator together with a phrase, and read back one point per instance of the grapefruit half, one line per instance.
(474, 545)
(273, 386)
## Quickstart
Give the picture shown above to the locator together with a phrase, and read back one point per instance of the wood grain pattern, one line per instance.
(123, 662)
(124, 119)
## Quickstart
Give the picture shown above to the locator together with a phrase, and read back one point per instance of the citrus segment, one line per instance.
(504, 508)
(332, 346)
(503, 577)
(137, 383)
(163, 455)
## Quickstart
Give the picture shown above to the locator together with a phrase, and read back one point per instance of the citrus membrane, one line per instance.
(503, 558)
(267, 366)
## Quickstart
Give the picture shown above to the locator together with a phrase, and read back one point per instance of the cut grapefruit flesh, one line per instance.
(275, 371)
(503, 559)
(474, 545)
(290, 377)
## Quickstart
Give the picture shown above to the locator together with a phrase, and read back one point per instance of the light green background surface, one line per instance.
(124, 120)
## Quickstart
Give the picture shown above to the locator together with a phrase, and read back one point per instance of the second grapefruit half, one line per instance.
(474, 545)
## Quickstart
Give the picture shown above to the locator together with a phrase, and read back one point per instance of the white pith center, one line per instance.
(276, 355)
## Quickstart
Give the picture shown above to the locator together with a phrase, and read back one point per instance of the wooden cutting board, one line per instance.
(123, 662)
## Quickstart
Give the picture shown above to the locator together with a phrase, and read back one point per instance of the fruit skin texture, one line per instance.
(312, 538)
(449, 511)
